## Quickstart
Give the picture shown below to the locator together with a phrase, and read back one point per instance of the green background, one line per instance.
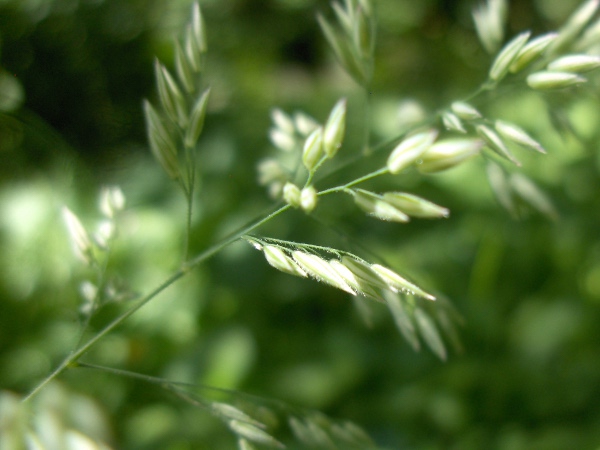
(528, 287)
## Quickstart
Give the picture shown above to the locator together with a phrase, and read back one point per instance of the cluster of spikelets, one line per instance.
(344, 271)
(317, 143)
(174, 128)
(550, 67)
(255, 424)
(353, 38)
(93, 250)
(556, 60)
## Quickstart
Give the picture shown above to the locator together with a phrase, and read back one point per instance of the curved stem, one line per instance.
(362, 179)
(185, 269)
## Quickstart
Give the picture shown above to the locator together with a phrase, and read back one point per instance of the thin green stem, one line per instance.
(189, 196)
(185, 269)
(369, 176)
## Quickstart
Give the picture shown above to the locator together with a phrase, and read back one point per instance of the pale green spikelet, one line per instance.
(549, 80)
(449, 153)
(410, 150)
(507, 56)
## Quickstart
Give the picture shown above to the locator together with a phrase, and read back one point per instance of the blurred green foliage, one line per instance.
(73, 75)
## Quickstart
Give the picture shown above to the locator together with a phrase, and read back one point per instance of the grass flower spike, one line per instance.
(410, 150)
(335, 127)
(234, 311)
(575, 63)
(507, 56)
(415, 206)
(449, 153)
(548, 80)
(531, 51)
(489, 20)
(80, 240)
(495, 143)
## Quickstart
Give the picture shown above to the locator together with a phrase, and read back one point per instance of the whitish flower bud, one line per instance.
(321, 270)
(161, 142)
(489, 20)
(308, 198)
(364, 272)
(449, 153)
(335, 128)
(410, 112)
(415, 206)
(80, 241)
(277, 258)
(495, 143)
(410, 150)
(531, 51)
(112, 200)
(465, 111)
(575, 63)
(194, 129)
(376, 206)
(231, 412)
(396, 283)
(313, 149)
(105, 232)
(88, 291)
(515, 134)
(282, 121)
(254, 434)
(282, 140)
(356, 283)
(507, 56)
(452, 122)
(269, 171)
(291, 194)
(553, 80)
(304, 123)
